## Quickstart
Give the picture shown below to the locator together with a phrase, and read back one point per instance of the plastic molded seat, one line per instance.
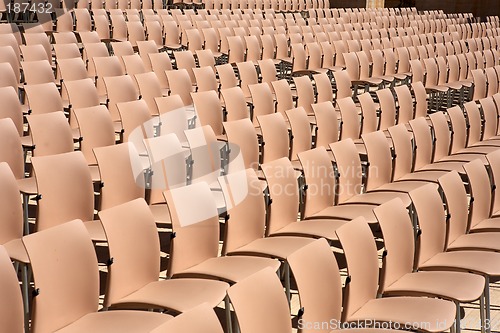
(65, 184)
(362, 265)
(52, 254)
(202, 260)
(133, 282)
(318, 169)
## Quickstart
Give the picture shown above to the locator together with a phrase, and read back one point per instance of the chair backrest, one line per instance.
(185, 60)
(421, 105)
(245, 207)
(96, 129)
(431, 220)
(241, 133)
(350, 120)
(379, 154)
(133, 266)
(205, 153)
(459, 127)
(52, 254)
(43, 98)
(235, 102)
(119, 89)
(317, 275)
(196, 230)
(10, 207)
(65, 188)
(11, 149)
(285, 204)
(168, 163)
(305, 92)
(262, 100)
(475, 123)
(369, 111)
(205, 78)
(248, 76)
(137, 123)
(399, 242)
(480, 188)
(362, 264)
(490, 116)
(11, 107)
(327, 123)
(403, 149)
(11, 304)
(319, 176)
(160, 63)
(269, 312)
(275, 135)
(442, 135)
(149, 88)
(51, 133)
(284, 98)
(423, 141)
(199, 319)
(82, 93)
(180, 84)
(387, 108)
(456, 203)
(494, 162)
(121, 174)
(208, 109)
(348, 164)
(301, 131)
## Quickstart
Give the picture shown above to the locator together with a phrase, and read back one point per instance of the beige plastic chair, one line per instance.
(284, 96)
(149, 88)
(247, 222)
(351, 188)
(457, 206)
(168, 164)
(195, 246)
(205, 79)
(57, 177)
(52, 254)
(185, 60)
(361, 303)
(494, 162)
(269, 312)
(350, 124)
(305, 93)
(137, 123)
(370, 119)
(481, 205)
(243, 140)
(301, 134)
(180, 84)
(227, 77)
(50, 133)
(282, 220)
(43, 98)
(327, 124)
(160, 63)
(12, 108)
(320, 289)
(119, 89)
(275, 135)
(96, 130)
(121, 170)
(133, 280)
(320, 178)
(388, 112)
(433, 242)
(235, 103)
(209, 110)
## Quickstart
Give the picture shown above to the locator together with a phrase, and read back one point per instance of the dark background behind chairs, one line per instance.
(481, 8)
